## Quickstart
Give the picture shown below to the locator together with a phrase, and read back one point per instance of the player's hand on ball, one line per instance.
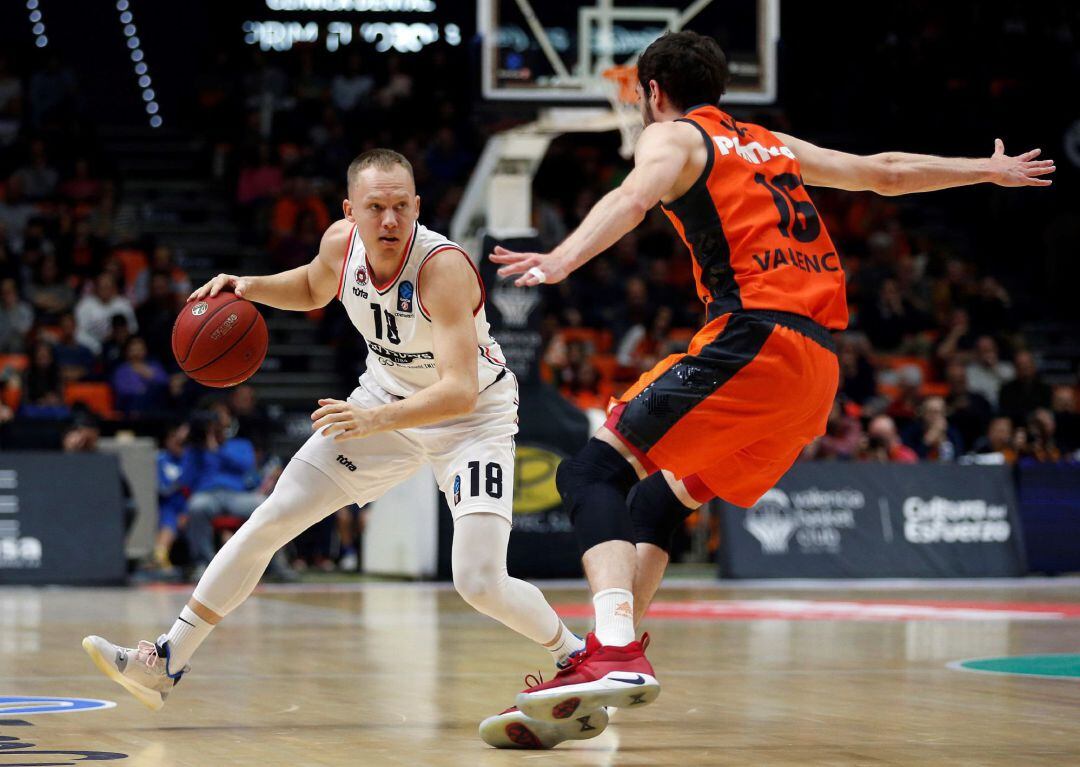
(1022, 170)
(534, 268)
(222, 282)
(342, 420)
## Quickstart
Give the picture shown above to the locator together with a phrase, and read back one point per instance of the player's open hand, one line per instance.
(534, 268)
(1022, 170)
(222, 282)
(342, 420)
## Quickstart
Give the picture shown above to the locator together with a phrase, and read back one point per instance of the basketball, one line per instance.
(220, 341)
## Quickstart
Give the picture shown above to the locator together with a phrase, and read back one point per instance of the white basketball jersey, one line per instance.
(392, 319)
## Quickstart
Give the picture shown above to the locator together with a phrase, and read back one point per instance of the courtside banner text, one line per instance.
(833, 520)
(61, 519)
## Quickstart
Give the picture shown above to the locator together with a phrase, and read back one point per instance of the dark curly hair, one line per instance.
(689, 68)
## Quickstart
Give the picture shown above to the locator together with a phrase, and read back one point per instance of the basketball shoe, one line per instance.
(512, 729)
(143, 671)
(601, 676)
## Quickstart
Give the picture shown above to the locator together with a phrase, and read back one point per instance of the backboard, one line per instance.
(554, 51)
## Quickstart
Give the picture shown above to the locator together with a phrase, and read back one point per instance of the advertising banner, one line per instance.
(61, 519)
(833, 520)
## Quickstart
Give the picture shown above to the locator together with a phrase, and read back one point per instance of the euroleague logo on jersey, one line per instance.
(405, 297)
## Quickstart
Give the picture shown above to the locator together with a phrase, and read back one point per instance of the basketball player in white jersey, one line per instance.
(436, 392)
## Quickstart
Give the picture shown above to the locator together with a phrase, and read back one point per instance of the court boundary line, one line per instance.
(957, 665)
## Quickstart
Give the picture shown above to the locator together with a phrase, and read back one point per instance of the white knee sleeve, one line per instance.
(302, 497)
(479, 564)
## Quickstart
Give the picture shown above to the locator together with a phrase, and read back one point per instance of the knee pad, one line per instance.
(596, 463)
(656, 512)
(594, 485)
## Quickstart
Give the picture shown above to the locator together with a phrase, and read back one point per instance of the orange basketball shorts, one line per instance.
(732, 415)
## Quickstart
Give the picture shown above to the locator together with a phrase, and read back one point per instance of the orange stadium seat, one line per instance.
(95, 395)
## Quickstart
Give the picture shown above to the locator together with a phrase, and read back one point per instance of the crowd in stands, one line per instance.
(935, 367)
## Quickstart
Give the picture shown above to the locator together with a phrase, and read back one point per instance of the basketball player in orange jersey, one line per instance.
(729, 417)
(435, 392)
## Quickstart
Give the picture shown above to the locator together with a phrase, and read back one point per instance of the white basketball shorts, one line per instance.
(472, 456)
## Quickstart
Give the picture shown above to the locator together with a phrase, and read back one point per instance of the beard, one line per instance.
(647, 116)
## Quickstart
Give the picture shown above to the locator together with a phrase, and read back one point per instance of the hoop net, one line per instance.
(620, 87)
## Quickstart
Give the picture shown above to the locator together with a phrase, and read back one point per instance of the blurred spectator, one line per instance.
(857, 381)
(52, 92)
(987, 372)
(1067, 418)
(991, 307)
(349, 89)
(968, 412)
(224, 476)
(163, 262)
(1026, 392)
(15, 213)
(76, 361)
(958, 337)
(891, 320)
(139, 384)
(158, 313)
(50, 293)
(883, 444)
(38, 178)
(260, 177)
(904, 408)
(931, 437)
(114, 350)
(94, 312)
(10, 104)
(252, 420)
(173, 478)
(295, 248)
(842, 439)
(16, 318)
(1038, 443)
(82, 186)
(298, 197)
(644, 345)
(1000, 439)
(43, 386)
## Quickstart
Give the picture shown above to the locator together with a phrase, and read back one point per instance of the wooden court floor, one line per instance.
(400, 674)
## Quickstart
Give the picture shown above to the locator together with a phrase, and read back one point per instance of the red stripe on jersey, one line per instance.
(401, 267)
(469, 261)
(345, 261)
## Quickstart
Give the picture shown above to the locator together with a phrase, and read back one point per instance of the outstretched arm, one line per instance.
(893, 173)
(301, 289)
(659, 158)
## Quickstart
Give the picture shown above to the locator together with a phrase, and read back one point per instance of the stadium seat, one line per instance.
(95, 395)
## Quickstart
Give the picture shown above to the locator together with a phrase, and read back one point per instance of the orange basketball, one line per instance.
(220, 341)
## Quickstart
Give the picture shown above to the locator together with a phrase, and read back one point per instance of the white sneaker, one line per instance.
(512, 729)
(143, 671)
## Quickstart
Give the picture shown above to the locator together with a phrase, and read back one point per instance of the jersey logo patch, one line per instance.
(405, 297)
(361, 275)
(457, 489)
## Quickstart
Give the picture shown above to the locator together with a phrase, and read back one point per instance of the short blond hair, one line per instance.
(383, 159)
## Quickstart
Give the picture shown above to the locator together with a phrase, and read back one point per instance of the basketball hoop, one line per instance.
(620, 87)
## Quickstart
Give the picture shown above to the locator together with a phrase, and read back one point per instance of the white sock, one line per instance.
(185, 636)
(614, 617)
(565, 645)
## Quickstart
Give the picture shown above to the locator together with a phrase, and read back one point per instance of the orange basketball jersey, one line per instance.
(756, 238)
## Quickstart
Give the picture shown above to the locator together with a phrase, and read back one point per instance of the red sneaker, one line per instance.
(512, 729)
(601, 676)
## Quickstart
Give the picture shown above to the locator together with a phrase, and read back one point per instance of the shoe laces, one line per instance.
(148, 653)
(534, 680)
